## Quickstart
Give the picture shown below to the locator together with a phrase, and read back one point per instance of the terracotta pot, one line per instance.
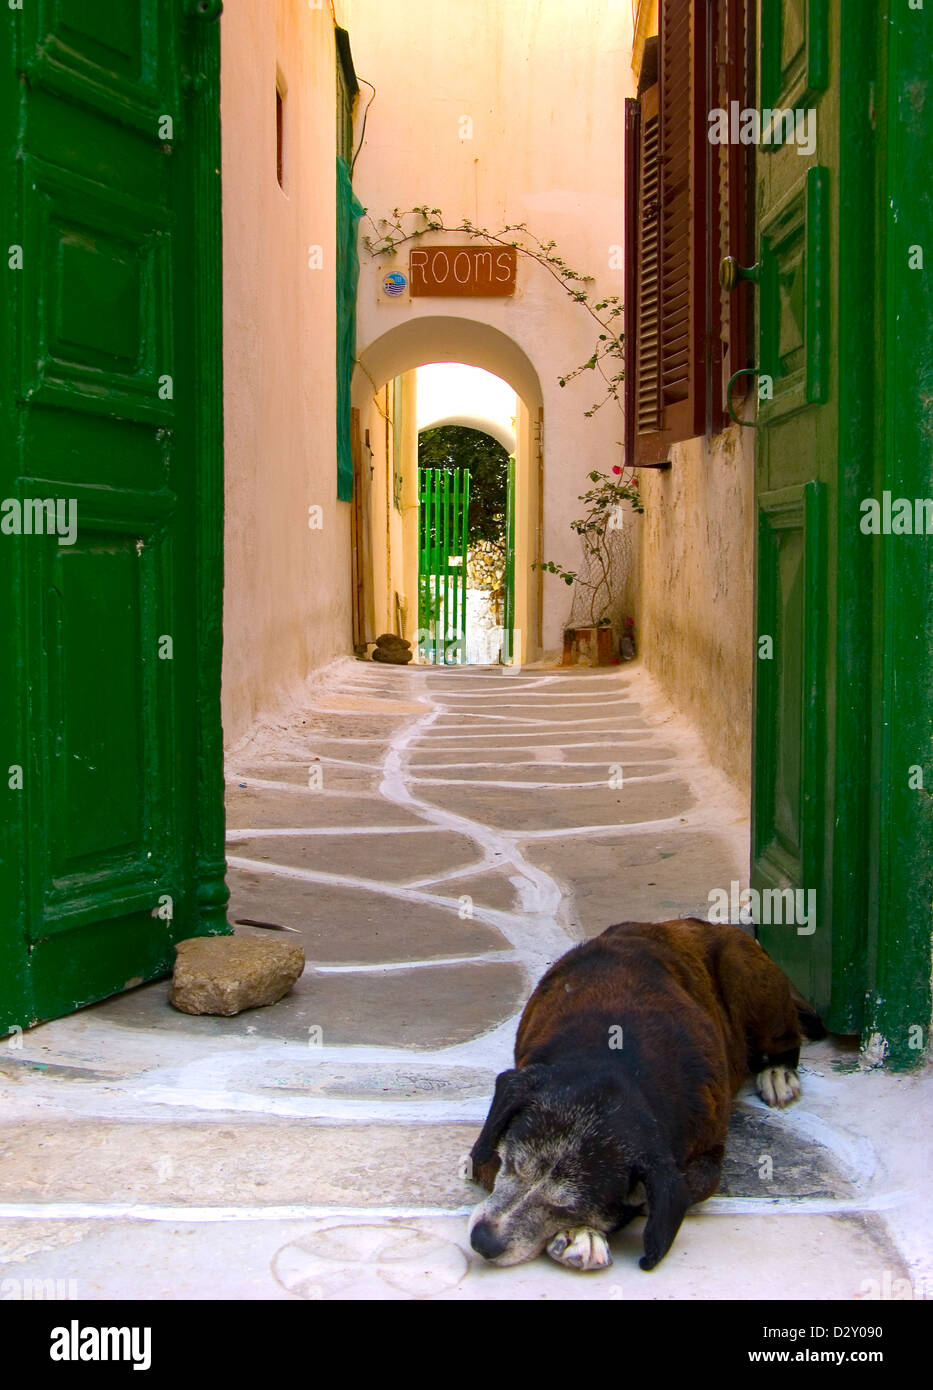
(587, 646)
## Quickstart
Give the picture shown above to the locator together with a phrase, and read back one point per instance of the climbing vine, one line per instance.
(603, 515)
(606, 358)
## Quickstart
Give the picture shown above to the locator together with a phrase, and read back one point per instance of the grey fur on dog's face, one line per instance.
(561, 1166)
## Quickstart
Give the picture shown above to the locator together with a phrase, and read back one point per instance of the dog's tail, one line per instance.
(811, 1025)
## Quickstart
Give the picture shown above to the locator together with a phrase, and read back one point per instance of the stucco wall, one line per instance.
(287, 587)
(543, 84)
(695, 624)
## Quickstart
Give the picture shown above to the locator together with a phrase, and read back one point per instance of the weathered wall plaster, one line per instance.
(287, 587)
(695, 628)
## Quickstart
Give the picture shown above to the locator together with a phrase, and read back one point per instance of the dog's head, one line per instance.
(572, 1152)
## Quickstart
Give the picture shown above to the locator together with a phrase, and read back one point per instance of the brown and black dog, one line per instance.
(627, 1057)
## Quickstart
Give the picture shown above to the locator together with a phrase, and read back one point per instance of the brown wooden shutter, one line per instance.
(731, 72)
(686, 206)
(630, 209)
(671, 310)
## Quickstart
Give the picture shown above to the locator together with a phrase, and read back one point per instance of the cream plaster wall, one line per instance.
(543, 83)
(388, 421)
(287, 588)
(695, 628)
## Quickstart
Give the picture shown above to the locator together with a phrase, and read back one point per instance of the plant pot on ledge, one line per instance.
(590, 645)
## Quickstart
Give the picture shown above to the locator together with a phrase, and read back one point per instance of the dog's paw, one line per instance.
(580, 1248)
(778, 1086)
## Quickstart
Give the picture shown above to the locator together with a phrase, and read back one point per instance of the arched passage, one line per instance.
(446, 338)
(386, 512)
(502, 435)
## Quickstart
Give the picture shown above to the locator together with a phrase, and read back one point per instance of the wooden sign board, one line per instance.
(464, 271)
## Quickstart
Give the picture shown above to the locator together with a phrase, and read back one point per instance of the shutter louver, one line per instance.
(630, 211)
(672, 285)
(648, 365)
(729, 192)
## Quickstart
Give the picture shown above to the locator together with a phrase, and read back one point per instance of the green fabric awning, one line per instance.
(349, 212)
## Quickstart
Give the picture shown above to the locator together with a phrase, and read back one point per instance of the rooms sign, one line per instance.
(462, 270)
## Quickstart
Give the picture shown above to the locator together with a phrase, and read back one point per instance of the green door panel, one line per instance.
(112, 843)
(797, 450)
(789, 846)
(794, 54)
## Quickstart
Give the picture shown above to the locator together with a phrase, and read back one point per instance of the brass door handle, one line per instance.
(731, 274)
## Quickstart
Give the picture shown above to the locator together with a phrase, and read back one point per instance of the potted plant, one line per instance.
(590, 643)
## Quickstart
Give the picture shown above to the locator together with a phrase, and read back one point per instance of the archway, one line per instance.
(385, 546)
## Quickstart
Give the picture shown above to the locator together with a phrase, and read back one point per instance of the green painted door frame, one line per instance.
(898, 1002)
(844, 705)
(111, 419)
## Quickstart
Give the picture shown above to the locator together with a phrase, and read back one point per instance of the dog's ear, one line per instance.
(668, 1200)
(513, 1089)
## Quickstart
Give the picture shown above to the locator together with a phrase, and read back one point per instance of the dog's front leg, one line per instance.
(580, 1247)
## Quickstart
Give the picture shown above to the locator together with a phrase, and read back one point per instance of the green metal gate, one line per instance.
(508, 624)
(444, 496)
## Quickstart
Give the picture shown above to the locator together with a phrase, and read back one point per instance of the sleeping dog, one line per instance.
(627, 1057)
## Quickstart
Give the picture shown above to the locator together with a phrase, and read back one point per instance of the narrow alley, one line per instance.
(436, 838)
(466, 484)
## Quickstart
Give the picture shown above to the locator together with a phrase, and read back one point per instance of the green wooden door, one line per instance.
(797, 465)
(843, 712)
(110, 533)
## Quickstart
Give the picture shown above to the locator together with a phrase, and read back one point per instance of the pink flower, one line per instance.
(616, 468)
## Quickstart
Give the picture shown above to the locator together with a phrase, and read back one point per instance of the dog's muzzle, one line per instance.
(486, 1242)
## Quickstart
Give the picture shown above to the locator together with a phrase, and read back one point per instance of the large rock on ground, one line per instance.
(226, 974)
(393, 649)
(395, 656)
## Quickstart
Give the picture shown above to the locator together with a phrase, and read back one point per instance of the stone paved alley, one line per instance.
(437, 838)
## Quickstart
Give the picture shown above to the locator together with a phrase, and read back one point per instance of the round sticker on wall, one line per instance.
(395, 283)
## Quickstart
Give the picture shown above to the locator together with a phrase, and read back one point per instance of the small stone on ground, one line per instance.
(227, 974)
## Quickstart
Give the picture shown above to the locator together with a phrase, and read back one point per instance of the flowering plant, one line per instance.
(603, 515)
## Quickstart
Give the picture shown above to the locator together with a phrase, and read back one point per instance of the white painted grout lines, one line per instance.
(237, 836)
(154, 1211)
(533, 931)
